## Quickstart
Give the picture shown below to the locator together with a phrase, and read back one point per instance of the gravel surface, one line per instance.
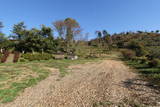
(104, 84)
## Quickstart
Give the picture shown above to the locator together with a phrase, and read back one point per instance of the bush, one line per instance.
(91, 56)
(136, 59)
(143, 60)
(128, 54)
(137, 47)
(154, 53)
(5, 56)
(153, 63)
(23, 60)
(37, 56)
(141, 52)
(1, 56)
(140, 60)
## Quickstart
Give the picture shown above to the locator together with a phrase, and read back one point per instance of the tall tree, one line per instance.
(60, 28)
(33, 41)
(99, 38)
(72, 28)
(68, 30)
(1, 26)
(18, 31)
(107, 37)
(99, 34)
(105, 33)
(48, 39)
(4, 43)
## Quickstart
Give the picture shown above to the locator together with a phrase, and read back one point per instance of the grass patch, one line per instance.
(63, 65)
(150, 74)
(14, 78)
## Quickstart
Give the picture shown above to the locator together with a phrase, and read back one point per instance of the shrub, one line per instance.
(128, 54)
(154, 53)
(135, 59)
(1, 55)
(23, 60)
(153, 63)
(16, 56)
(141, 52)
(91, 56)
(5, 56)
(137, 47)
(133, 45)
(37, 56)
(141, 60)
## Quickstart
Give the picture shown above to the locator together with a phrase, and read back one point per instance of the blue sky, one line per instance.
(112, 15)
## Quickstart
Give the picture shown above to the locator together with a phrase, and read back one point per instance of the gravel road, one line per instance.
(107, 83)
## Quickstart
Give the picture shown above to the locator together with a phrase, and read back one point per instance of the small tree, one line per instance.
(128, 54)
(153, 63)
(137, 47)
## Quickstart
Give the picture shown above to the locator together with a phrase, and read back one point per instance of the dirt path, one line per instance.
(105, 84)
(10, 58)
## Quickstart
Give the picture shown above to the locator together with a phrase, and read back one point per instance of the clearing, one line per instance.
(104, 83)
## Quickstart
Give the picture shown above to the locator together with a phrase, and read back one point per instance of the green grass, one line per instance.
(151, 74)
(14, 78)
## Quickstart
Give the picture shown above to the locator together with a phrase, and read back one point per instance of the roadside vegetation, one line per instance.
(152, 74)
(26, 54)
(139, 49)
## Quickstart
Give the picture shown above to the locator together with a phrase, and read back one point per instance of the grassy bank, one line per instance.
(150, 74)
(14, 78)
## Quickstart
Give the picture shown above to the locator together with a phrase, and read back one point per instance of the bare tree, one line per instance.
(60, 28)
(73, 29)
(67, 29)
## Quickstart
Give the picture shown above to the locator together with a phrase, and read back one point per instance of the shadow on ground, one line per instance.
(145, 92)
